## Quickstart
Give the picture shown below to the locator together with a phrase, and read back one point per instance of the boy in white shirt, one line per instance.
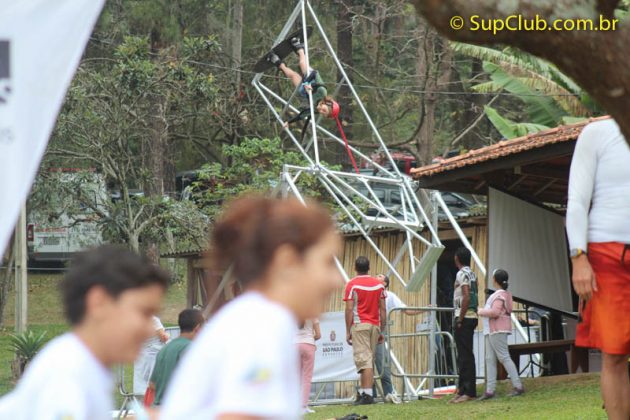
(110, 296)
(146, 361)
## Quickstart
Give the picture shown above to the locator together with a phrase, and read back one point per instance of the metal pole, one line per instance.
(297, 193)
(283, 33)
(21, 284)
(328, 133)
(432, 323)
(329, 185)
(460, 232)
(480, 265)
(275, 113)
(309, 91)
(331, 50)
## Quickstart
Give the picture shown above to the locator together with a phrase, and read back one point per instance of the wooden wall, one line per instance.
(411, 352)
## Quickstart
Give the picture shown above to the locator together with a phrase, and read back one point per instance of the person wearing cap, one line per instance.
(497, 325)
(309, 80)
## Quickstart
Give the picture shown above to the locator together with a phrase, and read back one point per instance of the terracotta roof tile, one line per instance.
(506, 147)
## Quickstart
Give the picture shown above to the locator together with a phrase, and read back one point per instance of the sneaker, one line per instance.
(517, 392)
(274, 59)
(486, 396)
(308, 410)
(296, 44)
(365, 399)
(391, 398)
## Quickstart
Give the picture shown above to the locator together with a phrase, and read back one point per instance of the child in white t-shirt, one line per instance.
(244, 364)
(110, 295)
(143, 367)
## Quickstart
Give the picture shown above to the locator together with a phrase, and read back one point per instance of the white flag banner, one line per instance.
(41, 43)
(333, 358)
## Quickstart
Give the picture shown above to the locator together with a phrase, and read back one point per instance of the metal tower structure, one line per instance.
(353, 192)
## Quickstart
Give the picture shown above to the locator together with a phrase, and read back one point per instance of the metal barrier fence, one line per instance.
(447, 344)
(446, 351)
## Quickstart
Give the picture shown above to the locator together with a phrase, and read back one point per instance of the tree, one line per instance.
(256, 167)
(595, 59)
(549, 96)
(107, 118)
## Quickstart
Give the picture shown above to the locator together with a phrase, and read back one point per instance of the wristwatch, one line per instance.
(576, 252)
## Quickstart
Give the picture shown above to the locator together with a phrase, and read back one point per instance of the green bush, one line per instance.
(25, 346)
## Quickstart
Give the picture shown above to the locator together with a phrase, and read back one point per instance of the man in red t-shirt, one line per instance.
(365, 319)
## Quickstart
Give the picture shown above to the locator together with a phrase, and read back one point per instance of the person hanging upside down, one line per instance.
(309, 80)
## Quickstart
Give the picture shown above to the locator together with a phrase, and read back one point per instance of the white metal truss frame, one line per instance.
(355, 193)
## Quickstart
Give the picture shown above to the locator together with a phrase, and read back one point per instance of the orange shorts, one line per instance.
(605, 320)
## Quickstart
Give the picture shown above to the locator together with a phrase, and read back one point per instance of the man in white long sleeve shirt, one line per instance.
(598, 227)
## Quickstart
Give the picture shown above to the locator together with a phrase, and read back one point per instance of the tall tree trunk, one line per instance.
(433, 66)
(156, 147)
(474, 107)
(596, 59)
(236, 40)
(344, 52)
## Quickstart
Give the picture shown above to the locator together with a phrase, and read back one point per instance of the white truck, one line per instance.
(59, 224)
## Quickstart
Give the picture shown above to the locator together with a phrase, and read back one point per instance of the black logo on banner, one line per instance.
(6, 132)
(5, 72)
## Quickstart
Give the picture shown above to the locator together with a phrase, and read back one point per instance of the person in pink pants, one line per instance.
(306, 338)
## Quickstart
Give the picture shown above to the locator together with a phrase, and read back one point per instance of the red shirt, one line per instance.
(367, 293)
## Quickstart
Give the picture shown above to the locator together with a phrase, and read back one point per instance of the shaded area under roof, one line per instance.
(535, 167)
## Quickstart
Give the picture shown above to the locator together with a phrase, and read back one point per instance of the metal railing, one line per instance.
(448, 350)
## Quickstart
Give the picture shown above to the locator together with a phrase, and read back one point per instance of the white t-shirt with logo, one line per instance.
(64, 381)
(244, 361)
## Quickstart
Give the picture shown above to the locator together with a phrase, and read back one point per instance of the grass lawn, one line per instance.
(558, 397)
(46, 314)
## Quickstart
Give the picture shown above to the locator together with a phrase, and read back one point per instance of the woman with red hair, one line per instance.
(244, 364)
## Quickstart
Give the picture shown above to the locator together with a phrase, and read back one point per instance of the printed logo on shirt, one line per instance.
(258, 376)
(333, 335)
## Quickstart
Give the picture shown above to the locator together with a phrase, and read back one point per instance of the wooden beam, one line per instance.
(549, 171)
(544, 187)
(480, 184)
(518, 181)
(450, 234)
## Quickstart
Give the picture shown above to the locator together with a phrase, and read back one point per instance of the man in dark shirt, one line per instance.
(190, 322)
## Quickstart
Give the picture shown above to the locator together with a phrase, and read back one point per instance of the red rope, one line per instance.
(343, 135)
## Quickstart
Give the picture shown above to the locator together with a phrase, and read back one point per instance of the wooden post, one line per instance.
(21, 285)
(191, 283)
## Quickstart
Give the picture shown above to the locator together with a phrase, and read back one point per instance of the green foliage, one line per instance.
(563, 397)
(549, 97)
(255, 166)
(114, 115)
(510, 129)
(27, 344)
